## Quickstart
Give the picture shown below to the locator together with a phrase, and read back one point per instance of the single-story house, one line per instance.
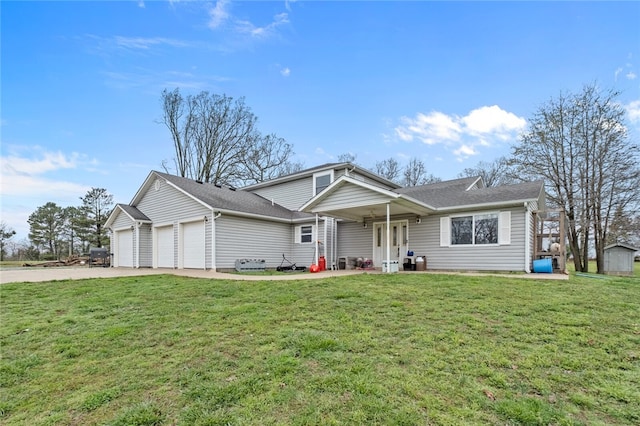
(338, 211)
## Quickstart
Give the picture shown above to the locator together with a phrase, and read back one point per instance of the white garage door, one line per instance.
(193, 245)
(125, 248)
(164, 247)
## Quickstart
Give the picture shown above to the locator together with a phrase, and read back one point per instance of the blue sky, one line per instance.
(450, 83)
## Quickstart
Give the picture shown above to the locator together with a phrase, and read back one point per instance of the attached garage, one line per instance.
(192, 245)
(124, 250)
(164, 254)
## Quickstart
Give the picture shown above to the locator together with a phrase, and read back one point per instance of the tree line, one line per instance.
(56, 232)
(578, 143)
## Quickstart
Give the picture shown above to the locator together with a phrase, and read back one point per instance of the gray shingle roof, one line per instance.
(237, 200)
(453, 193)
(134, 212)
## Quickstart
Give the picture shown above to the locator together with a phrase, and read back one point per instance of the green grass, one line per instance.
(367, 349)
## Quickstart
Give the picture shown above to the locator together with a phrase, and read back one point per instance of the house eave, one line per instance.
(484, 206)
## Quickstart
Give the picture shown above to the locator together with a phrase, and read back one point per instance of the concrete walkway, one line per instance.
(77, 273)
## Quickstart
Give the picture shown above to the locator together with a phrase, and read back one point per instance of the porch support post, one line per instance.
(388, 239)
(316, 241)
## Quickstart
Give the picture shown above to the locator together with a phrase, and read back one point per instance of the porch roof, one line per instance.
(352, 199)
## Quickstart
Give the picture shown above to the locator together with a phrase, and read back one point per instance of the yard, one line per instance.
(367, 349)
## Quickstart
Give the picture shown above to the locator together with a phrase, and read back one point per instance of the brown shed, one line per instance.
(618, 259)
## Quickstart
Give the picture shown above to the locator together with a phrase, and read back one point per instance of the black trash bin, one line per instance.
(407, 265)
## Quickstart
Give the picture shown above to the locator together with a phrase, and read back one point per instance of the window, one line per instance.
(304, 234)
(477, 229)
(321, 181)
(486, 229)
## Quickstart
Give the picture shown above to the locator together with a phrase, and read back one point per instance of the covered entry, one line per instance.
(353, 200)
(397, 242)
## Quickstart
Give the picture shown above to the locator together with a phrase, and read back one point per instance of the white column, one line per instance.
(315, 237)
(388, 239)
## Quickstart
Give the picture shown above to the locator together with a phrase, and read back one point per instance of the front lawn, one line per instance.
(367, 349)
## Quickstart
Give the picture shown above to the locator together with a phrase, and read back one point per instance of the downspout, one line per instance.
(214, 216)
(527, 238)
(137, 246)
(324, 237)
(334, 252)
(204, 249)
(388, 239)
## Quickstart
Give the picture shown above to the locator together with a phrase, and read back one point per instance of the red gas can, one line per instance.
(322, 263)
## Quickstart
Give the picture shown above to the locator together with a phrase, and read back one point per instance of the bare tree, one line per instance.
(216, 139)
(388, 169)
(266, 158)
(415, 173)
(347, 157)
(578, 144)
(493, 173)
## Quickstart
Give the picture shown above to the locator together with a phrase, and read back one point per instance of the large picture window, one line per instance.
(476, 229)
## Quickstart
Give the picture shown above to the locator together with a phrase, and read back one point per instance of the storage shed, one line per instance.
(618, 259)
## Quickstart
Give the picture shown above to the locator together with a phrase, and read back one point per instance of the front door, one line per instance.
(398, 241)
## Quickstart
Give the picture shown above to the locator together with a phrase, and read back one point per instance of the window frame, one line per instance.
(317, 175)
(502, 229)
(299, 234)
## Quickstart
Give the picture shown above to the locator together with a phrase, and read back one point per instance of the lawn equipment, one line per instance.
(290, 267)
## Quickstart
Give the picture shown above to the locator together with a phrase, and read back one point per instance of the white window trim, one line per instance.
(318, 174)
(504, 229)
(298, 234)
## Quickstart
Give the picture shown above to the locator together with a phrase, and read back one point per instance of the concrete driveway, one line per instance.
(76, 273)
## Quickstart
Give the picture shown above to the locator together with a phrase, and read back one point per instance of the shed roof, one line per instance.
(622, 245)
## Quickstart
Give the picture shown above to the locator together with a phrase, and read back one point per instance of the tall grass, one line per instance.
(368, 349)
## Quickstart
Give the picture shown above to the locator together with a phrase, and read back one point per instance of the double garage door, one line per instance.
(191, 247)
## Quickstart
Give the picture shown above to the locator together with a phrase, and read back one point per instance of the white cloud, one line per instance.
(218, 15)
(493, 119)
(286, 72)
(633, 111)
(617, 73)
(631, 75)
(465, 151)
(430, 129)
(481, 127)
(246, 27)
(22, 176)
(144, 43)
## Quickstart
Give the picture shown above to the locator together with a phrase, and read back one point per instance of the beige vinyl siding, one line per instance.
(291, 195)
(425, 240)
(295, 194)
(244, 238)
(167, 205)
(122, 221)
(351, 196)
(354, 240)
(145, 246)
